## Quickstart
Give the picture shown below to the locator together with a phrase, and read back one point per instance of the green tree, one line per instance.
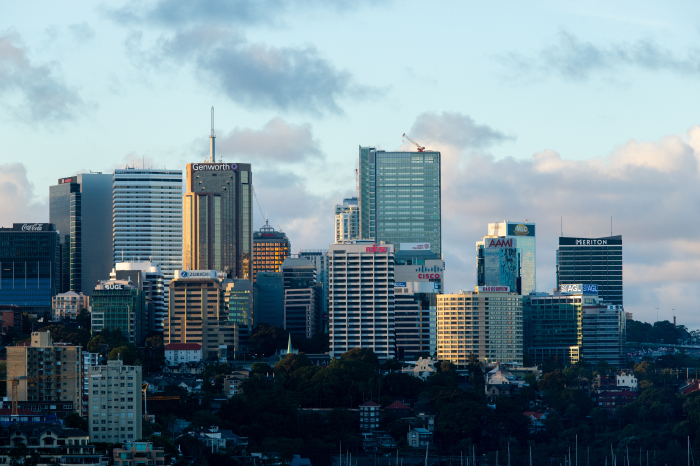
(128, 353)
(266, 340)
(362, 354)
(76, 421)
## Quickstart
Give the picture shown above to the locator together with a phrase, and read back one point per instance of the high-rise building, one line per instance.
(524, 234)
(147, 277)
(347, 220)
(604, 334)
(268, 299)
(114, 399)
(301, 296)
(487, 322)
(218, 217)
(418, 279)
(120, 304)
(319, 257)
(69, 305)
(498, 263)
(30, 267)
(50, 375)
(147, 219)
(400, 200)
(270, 249)
(361, 298)
(590, 261)
(81, 208)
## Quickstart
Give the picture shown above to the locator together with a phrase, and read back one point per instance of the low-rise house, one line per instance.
(216, 439)
(189, 368)
(418, 437)
(536, 421)
(138, 453)
(177, 353)
(611, 400)
(398, 409)
(627, 380)
(232, 383)
(422, 368)
(690, 386)
(500, 381)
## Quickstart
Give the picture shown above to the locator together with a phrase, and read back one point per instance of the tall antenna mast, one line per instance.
(212, 140)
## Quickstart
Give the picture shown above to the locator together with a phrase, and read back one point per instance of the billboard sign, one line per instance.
(31, 226)
(521, 229)
(500, 242)
(579, 288)
(414, 246)
(194, 274)
(614, 240)
(493, 289)
(214, 167)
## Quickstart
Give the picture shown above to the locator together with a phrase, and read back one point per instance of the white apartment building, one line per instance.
(114, 401)
(361, 298)
(67, 306)
(487, 322)
(347, 220)
(177, 353)
(147, 219)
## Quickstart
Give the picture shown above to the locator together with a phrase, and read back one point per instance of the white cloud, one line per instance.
(17, 194)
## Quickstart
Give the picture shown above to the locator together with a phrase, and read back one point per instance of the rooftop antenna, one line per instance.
(562, 225)
(611, 225)
(212, 140)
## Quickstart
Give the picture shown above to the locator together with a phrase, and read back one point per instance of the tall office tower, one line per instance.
(400, 200)
(320, 259)
(120, 304)
(114, 399)
(270, 249)
(268, 299)
(592, 261)
(347, 220)
(604, 334)
(487, 322)
(361, 298)
(147, 219)
(30, 267)
(498, 263)
(147, 277)
(419, 277)
(301, 296)
(50, 373)
(81, 208)
(199, 313)
(524, 234)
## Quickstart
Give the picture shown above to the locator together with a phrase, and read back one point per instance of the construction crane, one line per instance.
(418, 146)
(15, 380)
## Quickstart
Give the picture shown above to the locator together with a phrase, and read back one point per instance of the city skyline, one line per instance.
(618, 145)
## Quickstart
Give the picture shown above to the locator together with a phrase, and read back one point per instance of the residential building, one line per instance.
(501, 382)
(268, 299)
(232, 383)
(347, 220)
(418, 437)
(369, 415)
(177, 353)
(116, 412)
(524, 234)
(138, 453)
(627, 379)
(398, 410)
(320, 259)
(69, 305)
(30, 267)
(418, 279)
(361, 298)
(422, 368)
(301, 296)
(400, 199)
(10, 318)
(50, 375)
(270, 249)
(199, 312)
(89, 359)
(487, 323)
(81, 208)
(536, 421)
(612, 400)
(498, 263)
(592, 261)
(120, 304)
(147, 220)
(149, 278)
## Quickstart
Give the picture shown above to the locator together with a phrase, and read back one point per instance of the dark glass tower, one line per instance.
(592, 261)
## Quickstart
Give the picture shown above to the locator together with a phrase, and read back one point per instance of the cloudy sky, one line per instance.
(542, 110)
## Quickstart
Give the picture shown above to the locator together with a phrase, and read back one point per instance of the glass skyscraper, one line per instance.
(400, 200)
(524, 233)
(270, 249)
(498, 263)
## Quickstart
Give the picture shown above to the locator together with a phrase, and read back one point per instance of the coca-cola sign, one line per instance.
(31, 226)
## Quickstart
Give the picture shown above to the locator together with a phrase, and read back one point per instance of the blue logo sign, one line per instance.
(400, 284)
(183, 274)
(579, 288)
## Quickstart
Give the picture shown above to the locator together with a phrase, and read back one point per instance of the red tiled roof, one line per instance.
(397, 405)
(183, 347)
(369, 403)
(533, 414)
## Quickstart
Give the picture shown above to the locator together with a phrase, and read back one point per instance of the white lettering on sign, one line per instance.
(115, 286)
(595, 242)
(214, 166)
(32, 227)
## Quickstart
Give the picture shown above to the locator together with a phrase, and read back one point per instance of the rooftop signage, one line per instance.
(493, 289)
(521, 229)
(615, 240)
(375, 248)
(31, 226)
(214, 166)
(579, 288)
(194, 274)
(415, 246)
(500, 242)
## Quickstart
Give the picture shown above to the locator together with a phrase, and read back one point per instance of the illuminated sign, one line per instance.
(587, 242)
(194, 274)
(214, 166)
(521, 229)
(113, 286)
(609, 241)
(500, 242)
(400, 284)
(31, 227)
(72, 179)
(376, 248)
(579, 288)
(493, 289)
(414, 246)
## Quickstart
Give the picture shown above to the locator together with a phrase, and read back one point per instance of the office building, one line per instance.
(199, 313)
(301, 296)
(361, 298)
(30, 267)
(149, 278)
(524, 234)
(69, 305)
(418, 279)
(487, 322)
(604, 334)
(50, 375)
(268, 299)
(347, 220)
(319, 257)
(81, 208)
(498, 263)
(120, 304)
(592, 261)
(270, 249)
(116, 410)
(147, 220)
(238, 301)
(138, 453)
(400, 200)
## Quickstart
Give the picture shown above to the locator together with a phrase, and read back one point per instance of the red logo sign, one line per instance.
(499, 242)
(376, 248)
(428, 275)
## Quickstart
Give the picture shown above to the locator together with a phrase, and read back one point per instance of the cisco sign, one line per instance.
(214, 166)
(194, 274)
(579, 288)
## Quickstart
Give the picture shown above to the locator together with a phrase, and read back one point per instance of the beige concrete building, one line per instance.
(487, 322)
(114, 399)
(53, 374)
(68, 305)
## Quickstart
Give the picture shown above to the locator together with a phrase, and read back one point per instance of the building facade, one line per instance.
(268, 299)
(400, 199)
(149, 278)
(487, 323)
(114, 399)
(301, 296)
(69, 305)
(361, 298)
(604, 334)
(81, 208)
(177, 353)
(320, 259)
(498, 263)
(347, 220)
(30, 267)
(120, 304)
(138, 453)
(592, 261)
(270, 249)
(524, 234)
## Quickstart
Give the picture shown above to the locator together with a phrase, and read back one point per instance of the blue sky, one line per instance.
(542, 110)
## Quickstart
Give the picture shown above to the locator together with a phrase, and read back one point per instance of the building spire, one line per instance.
(212, 140)
(289, 345)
